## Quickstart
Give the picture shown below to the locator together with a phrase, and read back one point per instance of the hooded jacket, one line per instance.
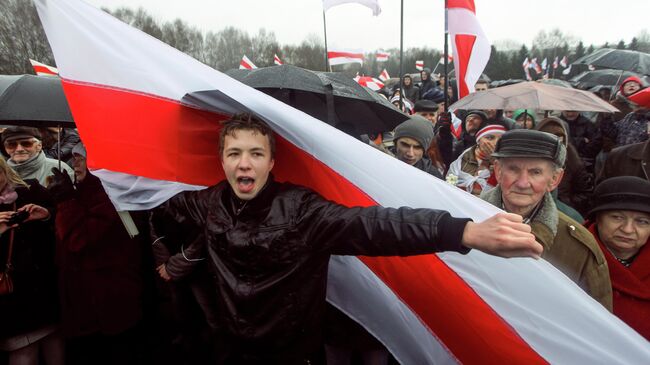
(577, 185)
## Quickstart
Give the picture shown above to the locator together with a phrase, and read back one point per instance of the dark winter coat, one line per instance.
(34, 302)
(100, 265)
(630, 160)
(585, 137)
(69, 139)
(270, 257)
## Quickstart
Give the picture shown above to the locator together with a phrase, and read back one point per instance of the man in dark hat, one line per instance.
(427, 109)
(528, 167)
(25, 150)
(620, 222)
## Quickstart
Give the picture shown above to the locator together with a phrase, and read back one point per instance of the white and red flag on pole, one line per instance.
(527, 65)
(382, 56)
(340, 57)
(419, 65)
(564, 62)
(369, 82)
(545, 64)
(535, 66)
(277, 60)
(428, 309)
(556, 62)
(470, 45)
(383, 76)
(371, 4)
(450, 59)
(42, 69)
(246, 64)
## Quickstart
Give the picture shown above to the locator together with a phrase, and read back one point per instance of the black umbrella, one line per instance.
(618, 59)
(604, 77)
(500, 83)
(328, 96)
(36, 101)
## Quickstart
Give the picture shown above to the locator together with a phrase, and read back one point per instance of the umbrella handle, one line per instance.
(332, 119)
(58, 145)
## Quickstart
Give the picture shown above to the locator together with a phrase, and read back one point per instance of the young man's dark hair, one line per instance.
(245, 121)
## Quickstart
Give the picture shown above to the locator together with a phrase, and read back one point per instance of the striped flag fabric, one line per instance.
(535, 66)
(556, 62)
(428, 309)
(383, 76)
(246, 64)
(450, 59)
(564, 62)
(371, 4)
(42, 69)
(382, 56)
(419, 65)
(471, 47)
(527, 65)
(341, 57)
(369, 82)
(544, 64)
(277, 60)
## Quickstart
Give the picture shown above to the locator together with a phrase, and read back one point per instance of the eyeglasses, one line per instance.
(25, 143)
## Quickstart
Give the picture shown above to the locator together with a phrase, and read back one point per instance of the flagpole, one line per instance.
(446, 61)
(401, 54)
(327, 66)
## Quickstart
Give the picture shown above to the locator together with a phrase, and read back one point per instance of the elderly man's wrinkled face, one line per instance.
(430, 116)
(631, 87)
(408, 150)
(247, 162)
(570, 115)
(624, 232)
(21, 150)
(524, 181)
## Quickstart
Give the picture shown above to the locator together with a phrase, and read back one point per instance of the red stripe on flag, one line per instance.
(463, 4)
(344, 54)
(42, 70)
(160, 138)
(464, 45)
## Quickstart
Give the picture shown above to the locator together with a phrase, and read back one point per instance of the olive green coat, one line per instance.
(569, 247)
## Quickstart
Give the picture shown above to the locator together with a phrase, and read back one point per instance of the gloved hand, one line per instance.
(444, 122)
(61, 187)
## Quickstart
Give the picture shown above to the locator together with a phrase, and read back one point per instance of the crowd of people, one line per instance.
(237, 273)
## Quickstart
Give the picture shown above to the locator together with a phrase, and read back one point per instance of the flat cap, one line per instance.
(527, 143)
(19, 132)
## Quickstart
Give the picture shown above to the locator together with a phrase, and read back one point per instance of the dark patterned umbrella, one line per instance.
(604, 77)
(618, 59)
(36, 101)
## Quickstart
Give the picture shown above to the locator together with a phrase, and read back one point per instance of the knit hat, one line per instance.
(630, 79)
(517, 113)
(621, 193)
(529, 143)
(19, 132)
(79, 149)
(415, 127)
(492, 129)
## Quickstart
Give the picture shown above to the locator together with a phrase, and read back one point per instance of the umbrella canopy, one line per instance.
(535, 96)
(36, 101)
(604, 77)
(556, 82)
(329, 96)
(369, 82)
(501, 83)
(619, 59)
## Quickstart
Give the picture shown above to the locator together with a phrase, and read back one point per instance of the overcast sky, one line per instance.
(352, 26)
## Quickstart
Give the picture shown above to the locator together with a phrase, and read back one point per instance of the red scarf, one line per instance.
(631, 286)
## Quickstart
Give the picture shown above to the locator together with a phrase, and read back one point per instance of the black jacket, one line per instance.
(270, 257)
(585, 137)
(34, 302)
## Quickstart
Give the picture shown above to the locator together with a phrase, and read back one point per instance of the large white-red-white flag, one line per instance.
(277, 60)
(246, 64)
(470, 45)
(419, 65)
(340, 57)
(372, 4)
(42, 69)
(428, 309)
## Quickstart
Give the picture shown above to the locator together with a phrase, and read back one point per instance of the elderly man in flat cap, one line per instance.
(25, 150)
(528, 167)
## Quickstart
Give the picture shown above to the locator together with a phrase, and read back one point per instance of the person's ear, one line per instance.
(556, 179)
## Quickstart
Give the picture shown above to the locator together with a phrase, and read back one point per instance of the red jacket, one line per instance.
(631, 287)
